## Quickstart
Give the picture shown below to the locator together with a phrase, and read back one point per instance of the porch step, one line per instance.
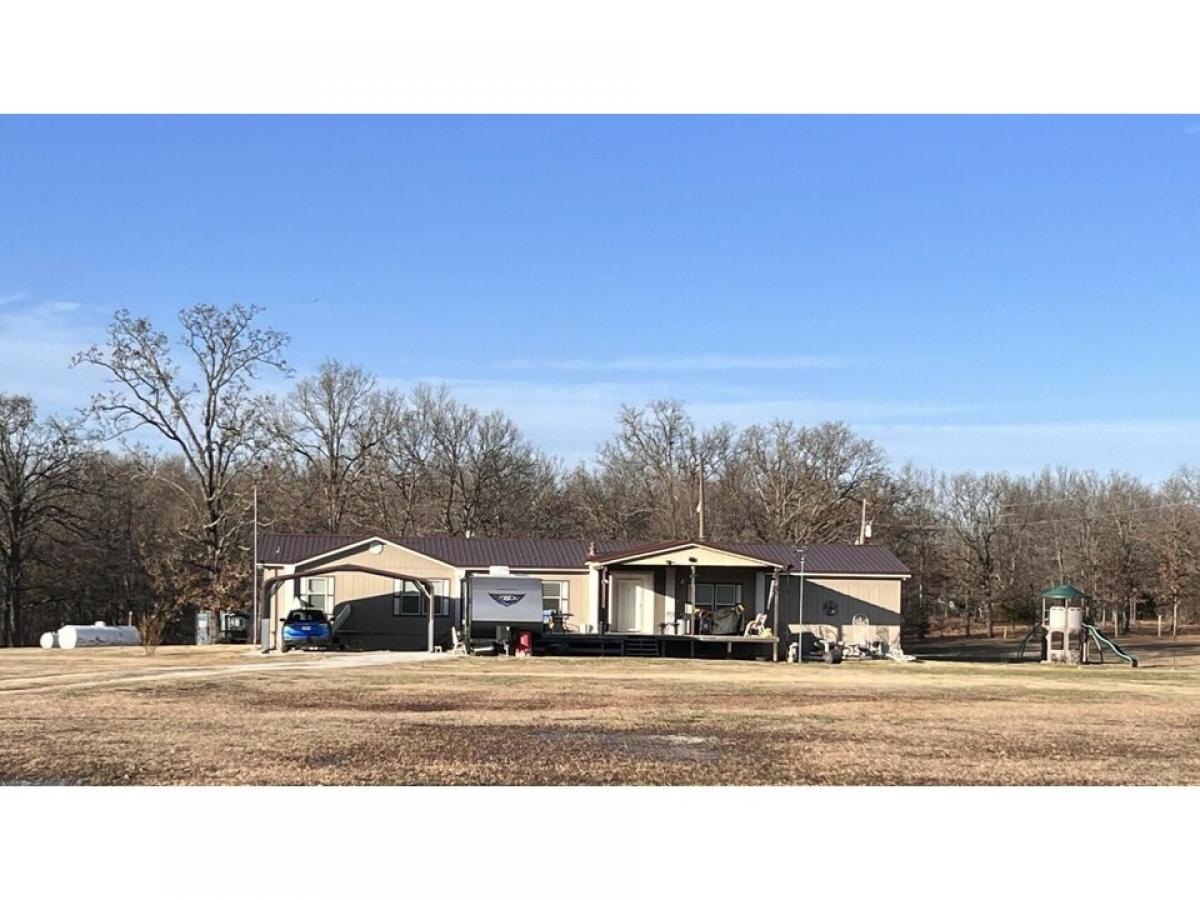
(637, 645)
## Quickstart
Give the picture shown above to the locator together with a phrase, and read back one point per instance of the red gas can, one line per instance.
(524, 643)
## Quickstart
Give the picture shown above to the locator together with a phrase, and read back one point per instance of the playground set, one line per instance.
(1064, 633)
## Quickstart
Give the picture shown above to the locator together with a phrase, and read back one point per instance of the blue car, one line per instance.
(307, 628)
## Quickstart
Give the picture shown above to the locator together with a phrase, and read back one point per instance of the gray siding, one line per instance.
(831, 604)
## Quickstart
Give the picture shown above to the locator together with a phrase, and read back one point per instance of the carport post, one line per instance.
(429, 600)
(800, 617)
(466, 613)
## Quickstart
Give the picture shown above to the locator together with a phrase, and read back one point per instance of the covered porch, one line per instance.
(690, 592)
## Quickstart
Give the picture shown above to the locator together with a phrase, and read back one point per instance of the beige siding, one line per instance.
(704, 556)
(580, 604)
(393, 559)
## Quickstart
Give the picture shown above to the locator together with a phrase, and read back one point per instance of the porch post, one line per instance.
(669, 611)
(594, 589)
(691, 610)
(606, 579)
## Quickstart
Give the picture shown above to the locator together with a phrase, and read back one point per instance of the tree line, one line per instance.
(139, 507)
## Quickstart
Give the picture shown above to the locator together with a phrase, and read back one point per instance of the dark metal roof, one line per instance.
(553, 553)
(469, 553)
(283, 549)
(524, 553)
(833, 559)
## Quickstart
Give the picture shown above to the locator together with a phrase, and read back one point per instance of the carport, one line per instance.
(423, 585)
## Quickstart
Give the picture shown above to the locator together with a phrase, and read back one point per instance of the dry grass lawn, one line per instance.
(229, 716)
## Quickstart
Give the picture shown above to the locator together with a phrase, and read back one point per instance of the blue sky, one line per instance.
(972, 292)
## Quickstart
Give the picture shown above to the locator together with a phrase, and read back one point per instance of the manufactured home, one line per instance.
(376, 589)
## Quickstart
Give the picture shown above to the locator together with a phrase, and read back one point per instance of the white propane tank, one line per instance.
(49, 640)
(1075, 619)
(1058, 617)
(98, 635)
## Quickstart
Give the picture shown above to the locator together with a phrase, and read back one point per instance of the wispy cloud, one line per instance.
(674, 363)
(1152, 448)
(572, 420)
(16, 297)
(37, 341)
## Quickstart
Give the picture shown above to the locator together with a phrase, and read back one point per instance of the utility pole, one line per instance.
(700, 505)
(254, 623)
(862, 524)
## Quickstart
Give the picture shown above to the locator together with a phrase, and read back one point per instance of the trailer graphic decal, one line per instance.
(507, 599)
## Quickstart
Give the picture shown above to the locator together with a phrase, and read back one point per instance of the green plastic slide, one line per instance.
(1102, 642)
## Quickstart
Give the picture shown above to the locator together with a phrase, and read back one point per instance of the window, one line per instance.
(409, 600)
(317, 592)
(556, 596)
(406, 598)
(441, 594)
(717, 596)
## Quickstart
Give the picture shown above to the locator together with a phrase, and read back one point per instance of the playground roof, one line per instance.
(1064, 592)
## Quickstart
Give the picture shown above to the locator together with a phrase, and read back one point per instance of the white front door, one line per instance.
(628, 598)
(633, 598)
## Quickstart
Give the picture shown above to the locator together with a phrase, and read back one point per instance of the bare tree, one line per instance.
(1176, 542)
(165, 583)
(397, 485)
(1126, 506)
(913, 527)
(655, 464)
(489, 479)
(38, 466)
(207, 414)
(975, 508)
(803, 484)
(331, 421)
(442, 466)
